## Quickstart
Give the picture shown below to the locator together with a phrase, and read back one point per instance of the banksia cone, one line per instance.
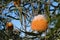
(39, 23)
(9, 25)
(17, 2)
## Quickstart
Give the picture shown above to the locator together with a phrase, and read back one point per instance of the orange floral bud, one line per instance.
(17, 2)
(9, 25)
(39, 23)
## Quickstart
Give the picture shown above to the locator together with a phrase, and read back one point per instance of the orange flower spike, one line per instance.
(17, 2)
(9, 25)
(39, 23)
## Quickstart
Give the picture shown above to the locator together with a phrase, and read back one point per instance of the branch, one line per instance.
(12, 17)
(29, 33)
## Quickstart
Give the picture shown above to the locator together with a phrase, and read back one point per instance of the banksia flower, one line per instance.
(39, 23)
(17, 2)
(9, 25)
